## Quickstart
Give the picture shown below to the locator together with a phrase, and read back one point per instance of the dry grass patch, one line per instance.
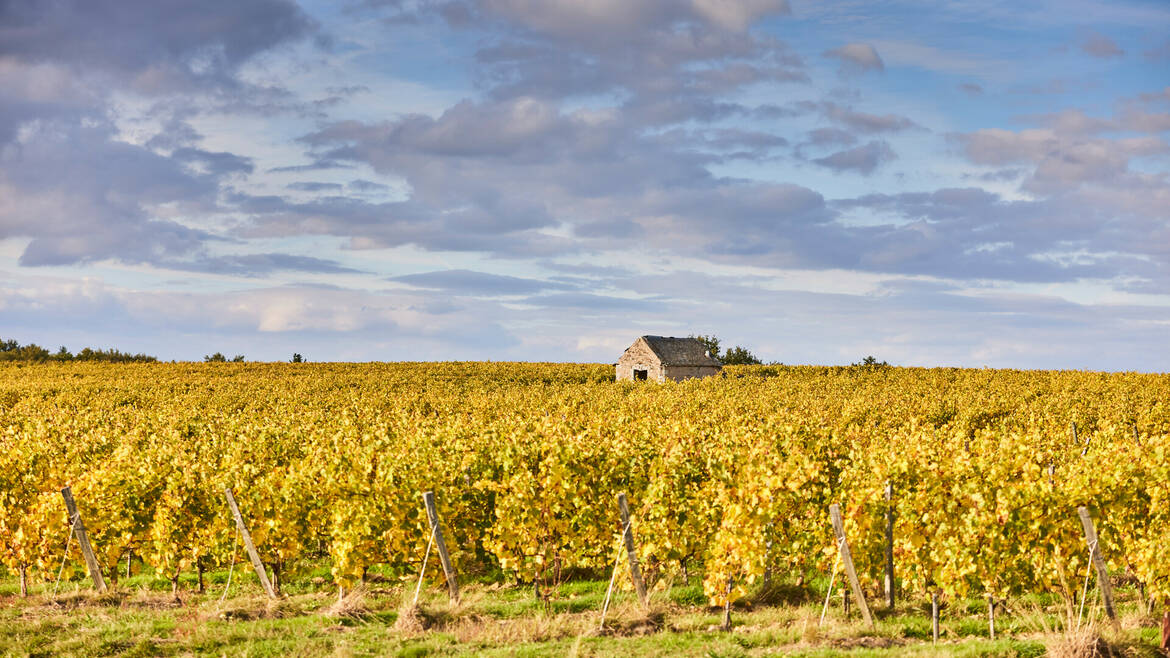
(631, 619)
(354, 605)
(417, 618)
(809, 629)
(411, 619)
(249, 608)
(865, 642)
(1083, 642)
(1065, 637)
(283, 608)
(521, 630)
(1138, 618)
(778, 594)
(145, 599)
(111, 598)
(467, 625)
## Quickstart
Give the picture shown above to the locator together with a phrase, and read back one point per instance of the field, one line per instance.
(729, 481)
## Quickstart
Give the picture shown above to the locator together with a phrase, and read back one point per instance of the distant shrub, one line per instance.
(11, 350)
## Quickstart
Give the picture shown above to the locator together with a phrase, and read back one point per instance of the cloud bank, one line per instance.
(550, 172)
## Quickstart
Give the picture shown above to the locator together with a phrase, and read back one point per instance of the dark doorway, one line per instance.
(640, 375)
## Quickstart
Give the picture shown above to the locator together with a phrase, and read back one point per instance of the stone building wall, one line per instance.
(640, 357)
(679, 373)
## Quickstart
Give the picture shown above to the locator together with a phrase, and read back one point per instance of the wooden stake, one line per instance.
(441, 545)
(1098, 563)
(727, 607)
(631, 548)
(847, 560)
(845, 602)
(991, 617)
(934, 616)
(768, 558)
(1076, 439)
(890, 544)
(23, 580)
(1136, 440)
(1165, 631)
(91, 563)
(257, 565)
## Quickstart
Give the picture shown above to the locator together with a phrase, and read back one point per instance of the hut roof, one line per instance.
(680, 351)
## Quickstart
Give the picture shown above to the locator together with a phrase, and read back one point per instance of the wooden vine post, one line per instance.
(847, 560)
(257, 565)
(631, 548)
(1166, 631)
(1098, 563)
(991, 617)
(890, 545)
(726, 626)
(441, 545)
(91, 563)
(934, 616)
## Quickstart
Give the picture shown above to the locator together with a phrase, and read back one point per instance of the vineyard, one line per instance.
(729, 480)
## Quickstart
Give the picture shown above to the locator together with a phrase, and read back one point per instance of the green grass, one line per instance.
(140, 618)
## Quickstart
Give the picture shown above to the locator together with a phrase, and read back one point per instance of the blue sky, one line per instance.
(971, 184)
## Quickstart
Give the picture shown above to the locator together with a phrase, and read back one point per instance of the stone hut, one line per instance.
(658, 358)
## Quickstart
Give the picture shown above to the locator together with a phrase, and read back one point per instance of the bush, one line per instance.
(739, 356)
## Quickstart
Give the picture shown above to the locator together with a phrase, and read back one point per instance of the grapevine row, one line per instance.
(729, 478)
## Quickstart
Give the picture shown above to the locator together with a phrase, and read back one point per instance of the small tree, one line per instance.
(218, 357)
(736, 356)
(297, 358)
(239, 358)
(871, 362)
(739, 356)
(710, 342)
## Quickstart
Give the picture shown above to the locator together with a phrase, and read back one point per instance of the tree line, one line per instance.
(12, 350)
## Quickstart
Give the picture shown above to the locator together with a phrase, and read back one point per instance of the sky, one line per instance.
(975, 183)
